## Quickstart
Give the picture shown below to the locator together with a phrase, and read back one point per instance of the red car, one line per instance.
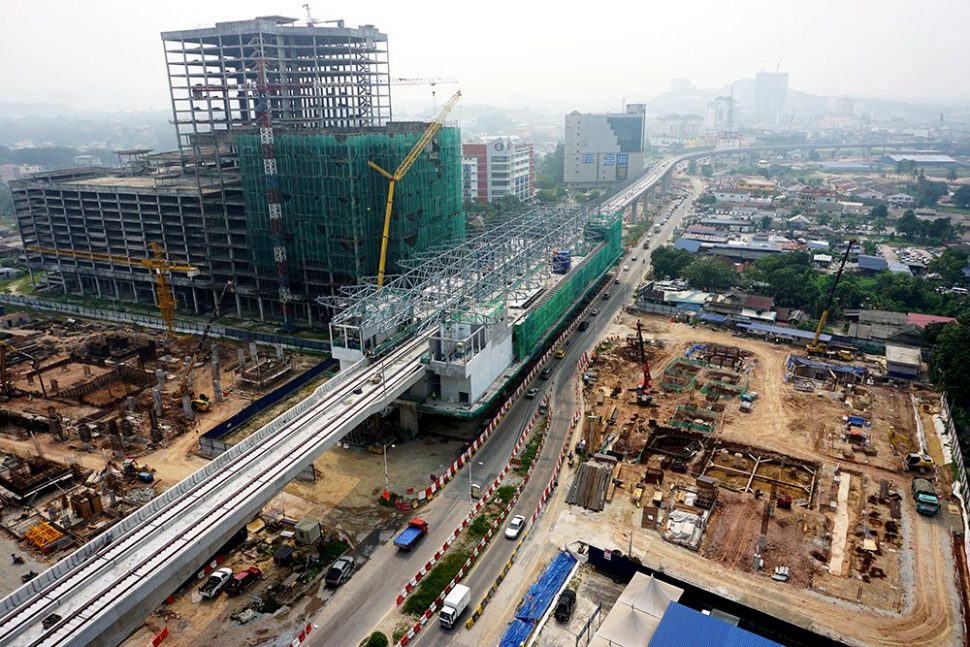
(243, 580)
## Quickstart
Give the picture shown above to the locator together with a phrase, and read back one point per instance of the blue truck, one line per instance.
(410, 536)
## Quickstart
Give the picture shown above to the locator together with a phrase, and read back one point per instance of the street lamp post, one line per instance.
(471, 484)
(387, 480)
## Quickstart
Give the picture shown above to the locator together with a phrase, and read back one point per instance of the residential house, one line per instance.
(870, 194)
(728, 224)
(799, 222)
(901, 200)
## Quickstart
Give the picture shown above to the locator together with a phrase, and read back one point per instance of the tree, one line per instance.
(878, 227)
(707, 198)
(670, 262)
(961, 197)
(908, 224)
(377, 639)
(951, 174)
(940, 229)
(879, 211)
(766, 221)
(707, 170)
(813, 155)
(692, 167)
(551, 166)
(709, 274)
(928, 192)
(949, 265)
(951, 358)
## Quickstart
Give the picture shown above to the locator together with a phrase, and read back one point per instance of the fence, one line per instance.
(181, 325)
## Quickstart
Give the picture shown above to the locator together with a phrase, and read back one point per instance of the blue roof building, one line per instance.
(692, 246)
(684, 627)
(872, 263)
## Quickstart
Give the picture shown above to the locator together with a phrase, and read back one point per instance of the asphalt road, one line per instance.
(500, 549)
(360, 604)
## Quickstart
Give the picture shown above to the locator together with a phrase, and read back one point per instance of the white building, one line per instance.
(901, 200)
(720, 117)
(770, 93)
(494, 168)
(602, 149)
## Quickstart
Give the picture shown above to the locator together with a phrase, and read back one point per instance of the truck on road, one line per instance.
(411, 535)
(216, 582)
(924, 494)
(455, 603)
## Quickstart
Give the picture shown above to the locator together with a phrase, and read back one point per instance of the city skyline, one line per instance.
(121, 64)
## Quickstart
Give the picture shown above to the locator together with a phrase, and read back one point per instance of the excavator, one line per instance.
(201, 401)
(820, 348)
(644, 390)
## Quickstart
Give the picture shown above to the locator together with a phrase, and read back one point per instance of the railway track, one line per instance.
(120, 565)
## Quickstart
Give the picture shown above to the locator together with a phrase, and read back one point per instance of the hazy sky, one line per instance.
(588, 55)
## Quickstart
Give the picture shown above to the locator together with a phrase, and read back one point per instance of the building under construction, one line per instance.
(270, 187)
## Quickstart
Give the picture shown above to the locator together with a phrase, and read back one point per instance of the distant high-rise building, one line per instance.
(770, 93)
(317, 77)
(497, 167)
(720, 116)
(843, 106)
(602, 149)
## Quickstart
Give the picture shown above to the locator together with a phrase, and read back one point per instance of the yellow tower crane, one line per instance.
(402, 169)
(157, 265)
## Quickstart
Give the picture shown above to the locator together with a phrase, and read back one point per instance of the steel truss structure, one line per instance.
(506, 262)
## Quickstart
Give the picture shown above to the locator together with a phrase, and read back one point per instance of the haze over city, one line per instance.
(571, 55)
(435, 324)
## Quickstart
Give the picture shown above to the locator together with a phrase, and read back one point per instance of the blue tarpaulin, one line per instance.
(712, 317)
(537, 600)
(685, 627)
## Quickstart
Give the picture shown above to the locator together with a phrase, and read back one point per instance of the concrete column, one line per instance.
(408, 416)
(157, 400)
(187, 407)
(259, 302)
(216, 375)
(131, 404)
(253, 353)
(241, 356)
(160, 378)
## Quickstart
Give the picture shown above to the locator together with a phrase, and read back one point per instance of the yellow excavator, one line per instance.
(820, 348)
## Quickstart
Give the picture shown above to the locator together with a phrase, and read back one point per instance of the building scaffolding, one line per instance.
(505, 264)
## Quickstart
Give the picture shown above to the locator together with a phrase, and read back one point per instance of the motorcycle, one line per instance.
(28, 576)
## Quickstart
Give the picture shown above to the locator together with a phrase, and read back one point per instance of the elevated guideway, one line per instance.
(99, 594)
(104, 591)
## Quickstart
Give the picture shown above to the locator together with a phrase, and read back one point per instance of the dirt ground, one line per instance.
(877, 574)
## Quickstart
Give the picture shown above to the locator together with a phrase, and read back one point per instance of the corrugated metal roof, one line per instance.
(783, 331)
(877, 263)
(691, 246)
(684, 627)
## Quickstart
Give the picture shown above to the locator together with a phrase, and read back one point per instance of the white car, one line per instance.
(515, 527)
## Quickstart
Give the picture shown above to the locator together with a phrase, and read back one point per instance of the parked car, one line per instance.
(606, 295)
(216, 582)
(243, 580)
(515, 527)
(564, 607)
(583, 325)
(340, 571)
(531, 393)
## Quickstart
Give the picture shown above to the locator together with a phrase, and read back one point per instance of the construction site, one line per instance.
(761, 462)
(97, 419)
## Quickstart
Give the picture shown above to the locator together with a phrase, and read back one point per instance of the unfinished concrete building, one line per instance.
(319, 77)
(326, 94)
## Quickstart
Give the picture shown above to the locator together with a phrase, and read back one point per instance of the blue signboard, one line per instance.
(588, 158)
(609, 159)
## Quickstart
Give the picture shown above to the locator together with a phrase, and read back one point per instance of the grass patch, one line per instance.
(505, 494)
(332, 550)
(398, 634)
(435, 582)
(479, 526)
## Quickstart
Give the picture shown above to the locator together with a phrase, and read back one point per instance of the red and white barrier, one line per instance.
(303, 635)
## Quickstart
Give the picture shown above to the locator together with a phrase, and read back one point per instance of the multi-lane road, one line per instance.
(561, 388)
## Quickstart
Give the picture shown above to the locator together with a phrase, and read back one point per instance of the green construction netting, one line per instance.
(701, 419)
(333, 203)
(541, 322)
